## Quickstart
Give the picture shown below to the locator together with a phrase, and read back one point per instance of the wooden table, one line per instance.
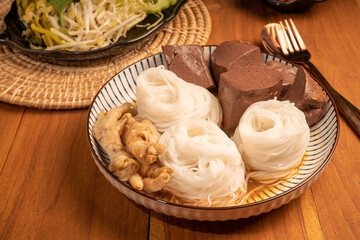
(50, 187)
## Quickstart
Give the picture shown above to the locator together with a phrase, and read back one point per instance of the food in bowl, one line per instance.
(116, 130)
(205, 166)
(166, 99)
(188, 63)
(244, 79)
(82, 25)
(272, 137)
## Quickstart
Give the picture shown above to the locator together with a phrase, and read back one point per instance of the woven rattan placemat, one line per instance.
(38, 84)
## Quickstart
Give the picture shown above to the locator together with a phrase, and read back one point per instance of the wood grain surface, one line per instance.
(50, 187)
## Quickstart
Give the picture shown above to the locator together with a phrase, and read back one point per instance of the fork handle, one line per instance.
(349, 111)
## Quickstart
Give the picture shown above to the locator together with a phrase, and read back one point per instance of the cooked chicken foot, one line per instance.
(107, 130)
(136, 181)
(150, 178)
(141, 139)
(155, 177)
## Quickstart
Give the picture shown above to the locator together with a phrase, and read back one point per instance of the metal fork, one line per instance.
(293, 48)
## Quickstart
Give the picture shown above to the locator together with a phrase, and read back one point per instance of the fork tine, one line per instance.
(287, 40)
(281, 37)
(298, 37)
(293, 40)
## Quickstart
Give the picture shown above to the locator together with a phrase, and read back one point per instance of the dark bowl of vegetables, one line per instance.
(291, 5)
(82, 30)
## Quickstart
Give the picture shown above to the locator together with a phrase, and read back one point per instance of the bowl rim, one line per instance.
(278, 3)
(233, 207)
(6, 40)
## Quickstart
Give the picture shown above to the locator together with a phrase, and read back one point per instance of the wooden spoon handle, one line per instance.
(348, 110)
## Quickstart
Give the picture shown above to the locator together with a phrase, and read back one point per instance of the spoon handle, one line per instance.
(349, 111)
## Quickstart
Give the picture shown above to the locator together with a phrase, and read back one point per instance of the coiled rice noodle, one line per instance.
(272, 138)
(166, 99)
(207, 166)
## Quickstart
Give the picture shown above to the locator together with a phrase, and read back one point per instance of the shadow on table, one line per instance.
(262, 224)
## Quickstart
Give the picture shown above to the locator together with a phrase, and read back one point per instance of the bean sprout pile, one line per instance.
(87, 24)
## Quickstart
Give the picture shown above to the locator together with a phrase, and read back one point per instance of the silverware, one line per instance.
(285, 41)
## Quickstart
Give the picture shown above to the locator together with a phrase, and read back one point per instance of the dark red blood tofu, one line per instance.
(189, 64)
(234, 52)
(287, 72)
(307, 96)
(241, 87)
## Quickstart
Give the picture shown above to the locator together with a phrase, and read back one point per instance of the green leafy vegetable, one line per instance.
(60, 5)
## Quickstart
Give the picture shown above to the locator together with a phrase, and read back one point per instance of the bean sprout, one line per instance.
(89, 24)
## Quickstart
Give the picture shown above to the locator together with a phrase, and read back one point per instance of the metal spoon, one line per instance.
(269, 39)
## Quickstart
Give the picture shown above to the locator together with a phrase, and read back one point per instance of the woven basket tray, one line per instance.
(70, 85)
